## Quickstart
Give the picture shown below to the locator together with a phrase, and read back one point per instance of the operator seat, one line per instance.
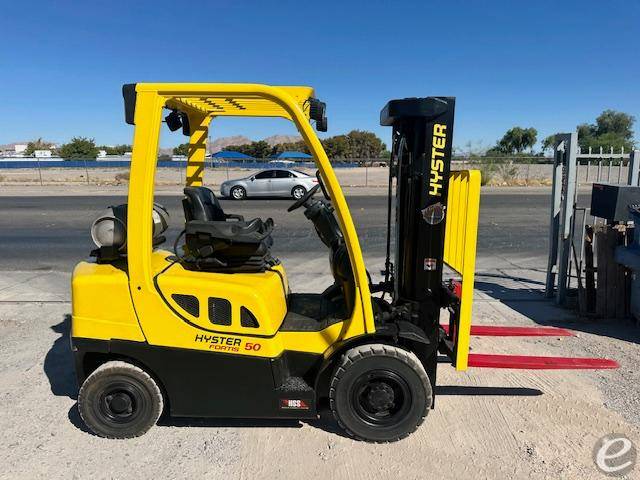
(200, 203)
(215, 244)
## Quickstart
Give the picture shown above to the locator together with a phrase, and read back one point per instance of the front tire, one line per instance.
(380, 393)
(298, 192)
(119, 400)
(238, 193)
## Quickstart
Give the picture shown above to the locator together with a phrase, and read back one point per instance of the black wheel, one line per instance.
(298, 192)
(238, 193)
(119, 400)
(380, 393)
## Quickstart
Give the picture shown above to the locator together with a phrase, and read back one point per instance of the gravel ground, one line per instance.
(493, 424)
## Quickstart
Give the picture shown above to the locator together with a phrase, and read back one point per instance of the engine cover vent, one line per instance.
(247, 319)
(189, 303)
(219, 311)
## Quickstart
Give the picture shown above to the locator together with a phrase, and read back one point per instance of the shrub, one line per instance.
(122, 177)
(508, 172)
(79, 148)
(487, 172)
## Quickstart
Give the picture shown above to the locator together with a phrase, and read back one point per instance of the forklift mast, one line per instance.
(421, 162)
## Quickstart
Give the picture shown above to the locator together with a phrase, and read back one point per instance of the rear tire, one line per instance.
(119, 400)
(298, 192)
(238, 193)
(380, 393)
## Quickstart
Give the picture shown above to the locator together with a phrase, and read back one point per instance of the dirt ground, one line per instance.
(370, 176)
(348, 177)
(487, 424)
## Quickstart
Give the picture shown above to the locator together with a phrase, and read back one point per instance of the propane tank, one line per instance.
(109, 230)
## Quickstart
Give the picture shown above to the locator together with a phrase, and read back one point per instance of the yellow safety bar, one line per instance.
(463, 207)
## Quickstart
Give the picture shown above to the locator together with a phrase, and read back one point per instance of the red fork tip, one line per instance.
(527, 362)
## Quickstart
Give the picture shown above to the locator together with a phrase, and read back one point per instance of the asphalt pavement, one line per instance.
(52, 233)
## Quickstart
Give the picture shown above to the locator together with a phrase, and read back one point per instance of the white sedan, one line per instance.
(274, 182)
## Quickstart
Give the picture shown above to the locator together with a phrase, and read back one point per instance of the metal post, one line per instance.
(588, 166)
(620, 171)
(561, 218)
(598, 179)
(554, 223)
(634, 167)
(86, 169)
(39, 170)
(566, 220)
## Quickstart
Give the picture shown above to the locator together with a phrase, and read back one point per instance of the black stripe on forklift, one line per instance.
(200, 383)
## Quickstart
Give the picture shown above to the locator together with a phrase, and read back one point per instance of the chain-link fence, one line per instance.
(526, 171)
(365, 172)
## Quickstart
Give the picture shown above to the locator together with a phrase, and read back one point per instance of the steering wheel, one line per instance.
(304, 199)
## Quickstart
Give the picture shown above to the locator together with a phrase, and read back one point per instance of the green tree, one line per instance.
(364, 144)
(260, 149)
(612, 129)
(337, 146)
(116, 150)
(355, 144)
(298, 146)
(549, 142)
(79, 148)
(245, 148)
(182, 149)
(517, 139)
(620, 123)
(37, 144)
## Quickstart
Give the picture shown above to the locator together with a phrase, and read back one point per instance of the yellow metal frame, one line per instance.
(202, 103)
(463, 208)
(150, 318)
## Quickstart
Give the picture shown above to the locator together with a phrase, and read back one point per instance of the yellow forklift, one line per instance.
(212, 329)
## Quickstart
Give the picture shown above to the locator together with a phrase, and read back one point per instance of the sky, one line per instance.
(546, 64)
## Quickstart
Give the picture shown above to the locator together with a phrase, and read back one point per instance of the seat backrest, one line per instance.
(200, 203)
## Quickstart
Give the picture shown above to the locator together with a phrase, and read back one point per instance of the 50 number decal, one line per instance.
(252, 346)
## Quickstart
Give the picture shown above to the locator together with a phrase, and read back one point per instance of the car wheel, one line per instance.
(238, 193)
(298, 192)
(380, 393)
(119, 400)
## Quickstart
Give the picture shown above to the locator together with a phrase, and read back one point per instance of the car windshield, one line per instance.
(301, 173)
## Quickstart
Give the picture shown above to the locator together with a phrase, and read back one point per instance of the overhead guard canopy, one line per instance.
(219, 99)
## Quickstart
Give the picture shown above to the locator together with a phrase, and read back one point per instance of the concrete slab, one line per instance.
(35, 286)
